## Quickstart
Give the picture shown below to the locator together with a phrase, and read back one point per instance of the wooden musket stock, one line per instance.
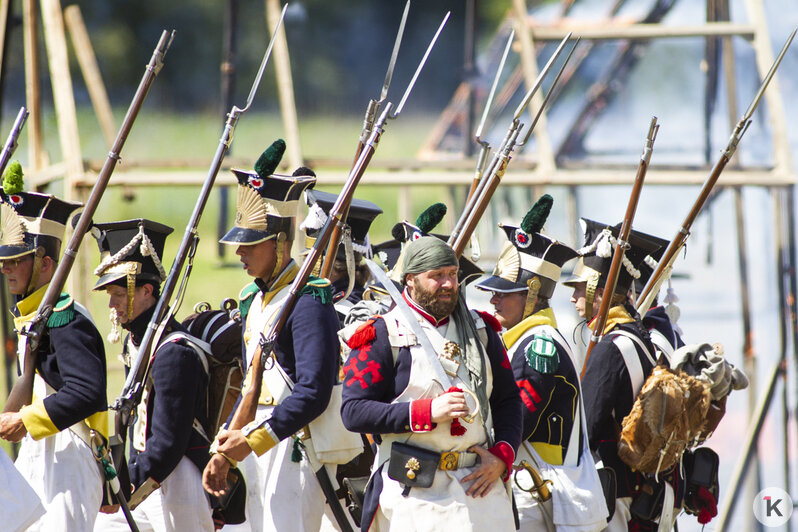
(623, 241)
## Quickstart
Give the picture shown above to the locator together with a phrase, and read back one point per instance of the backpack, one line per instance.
(219, 329)
(678, 407)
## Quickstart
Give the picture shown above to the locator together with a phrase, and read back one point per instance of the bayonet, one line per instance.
(11, 143)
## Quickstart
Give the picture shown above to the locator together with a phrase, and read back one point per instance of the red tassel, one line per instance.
(363, 335)
(457, 429)
(709, 507)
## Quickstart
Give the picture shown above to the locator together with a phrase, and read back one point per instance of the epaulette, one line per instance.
(319, 288)
(245, 298)
(541, 355)
(364, 334)
(491, 320)
(63, 311)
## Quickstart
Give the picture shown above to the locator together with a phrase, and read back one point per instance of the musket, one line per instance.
(11, 143)
(484, 145)
(372, 111)
(478, 202)
(22, 392)
(662, 271)
(248, 405)
(622, 243)
(140, 367)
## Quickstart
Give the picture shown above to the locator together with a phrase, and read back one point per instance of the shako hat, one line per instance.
(390, 252)
(267, 203)
(361, 214)
(130, 251)
(528, 254)
(650, 262)
(30, 220)
(596, 255)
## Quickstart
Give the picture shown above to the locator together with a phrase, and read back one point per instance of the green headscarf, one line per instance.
(425, 254)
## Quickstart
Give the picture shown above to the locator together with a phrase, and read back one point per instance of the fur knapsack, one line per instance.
(666, 418)
(221, 330)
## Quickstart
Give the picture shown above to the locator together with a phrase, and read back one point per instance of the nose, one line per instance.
(494, 298)
(573, 296)
(240, 251)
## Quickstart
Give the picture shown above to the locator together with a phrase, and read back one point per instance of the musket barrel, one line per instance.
(11, 143)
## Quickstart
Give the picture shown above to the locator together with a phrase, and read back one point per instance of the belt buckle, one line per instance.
(449, 461)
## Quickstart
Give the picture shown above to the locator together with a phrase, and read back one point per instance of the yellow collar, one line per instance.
(27, 307)
(541, 317)
(285, 278)
(617, 316)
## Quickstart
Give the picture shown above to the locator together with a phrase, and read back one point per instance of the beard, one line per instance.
(428, 300)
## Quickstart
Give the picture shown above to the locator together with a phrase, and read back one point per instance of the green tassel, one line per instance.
(541, 355)
(63, 312)
(536, 217)
(431, 217)
(269, 159)
(12, 179)
(296, 451)
(320, 289)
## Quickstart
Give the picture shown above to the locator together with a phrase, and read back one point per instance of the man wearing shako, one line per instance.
(168, 437)
(555, 442)
(618, 364)
(67, 415)
(447, 418)
(282, 491)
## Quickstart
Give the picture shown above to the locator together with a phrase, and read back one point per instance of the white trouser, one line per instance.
(620, 519)
(62, 471)
(19, 504)
(179, 504)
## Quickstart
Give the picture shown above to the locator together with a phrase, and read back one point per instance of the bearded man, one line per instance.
(447, 423)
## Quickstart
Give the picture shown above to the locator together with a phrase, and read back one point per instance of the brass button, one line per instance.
(426, 427)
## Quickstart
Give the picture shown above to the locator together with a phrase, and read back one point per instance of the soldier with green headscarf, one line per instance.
(440, 444)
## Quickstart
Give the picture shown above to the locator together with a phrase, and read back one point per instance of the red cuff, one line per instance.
(505, 453)
(421, 415)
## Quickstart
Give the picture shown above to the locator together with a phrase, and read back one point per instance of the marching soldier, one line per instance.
(554, 441)
(447, 426)
(349, 273)
(169, 439)
(69, 392)
(617, 367)
(282, 491)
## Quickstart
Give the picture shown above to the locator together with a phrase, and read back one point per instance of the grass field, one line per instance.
(163, 136)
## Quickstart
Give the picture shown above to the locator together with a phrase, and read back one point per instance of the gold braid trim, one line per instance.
(533, 287)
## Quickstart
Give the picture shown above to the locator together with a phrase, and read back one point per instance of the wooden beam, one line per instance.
(617, 30)
(91, 72)
(33, 97)
(285, 85)
(531, 71)
(3, 29)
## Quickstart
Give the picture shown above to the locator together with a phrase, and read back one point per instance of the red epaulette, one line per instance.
(491, 320)
(363, 335)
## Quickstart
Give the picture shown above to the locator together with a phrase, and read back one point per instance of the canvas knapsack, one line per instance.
(219, 329)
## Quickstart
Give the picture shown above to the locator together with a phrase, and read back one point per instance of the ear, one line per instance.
(48, 264)
(147, 287)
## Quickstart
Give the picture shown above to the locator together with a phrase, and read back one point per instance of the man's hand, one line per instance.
(11, 426)
(214, 477)
(448, 406)
(485, 476)
(233, 444)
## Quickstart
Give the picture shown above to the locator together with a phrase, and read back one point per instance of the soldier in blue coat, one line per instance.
(457, 434)
(617, 367)
(169, 438)
(283, 491)
(547, 375)
(69, 399)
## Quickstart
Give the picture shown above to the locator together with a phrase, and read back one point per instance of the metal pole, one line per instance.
(781, 275)
(228, 68)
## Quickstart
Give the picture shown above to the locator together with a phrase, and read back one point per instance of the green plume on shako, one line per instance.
(431, 217)
(270, 158)
(12, 178)
(537, 215)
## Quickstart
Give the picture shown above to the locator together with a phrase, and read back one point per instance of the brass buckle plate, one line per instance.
(449, 461)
